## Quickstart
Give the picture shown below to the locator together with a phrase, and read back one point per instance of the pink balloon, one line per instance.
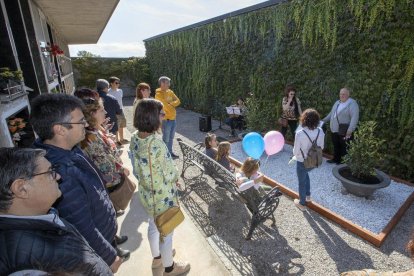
(274, 142)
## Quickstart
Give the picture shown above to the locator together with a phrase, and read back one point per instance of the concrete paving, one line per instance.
(189, 243)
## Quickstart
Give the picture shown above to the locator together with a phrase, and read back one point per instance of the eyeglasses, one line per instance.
(116, 82)
(82, 122)
(52, 172)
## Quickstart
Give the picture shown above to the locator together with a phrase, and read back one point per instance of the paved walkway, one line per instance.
(188, 242)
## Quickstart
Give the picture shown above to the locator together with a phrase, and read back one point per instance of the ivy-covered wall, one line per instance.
(318, 45)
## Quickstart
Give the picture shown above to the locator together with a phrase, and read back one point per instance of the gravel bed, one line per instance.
(372, 214)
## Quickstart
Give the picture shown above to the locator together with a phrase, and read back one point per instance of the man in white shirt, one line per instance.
(114, 90)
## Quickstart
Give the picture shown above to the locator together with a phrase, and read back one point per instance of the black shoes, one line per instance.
(120, 239)
(122, 253)
(174, 156)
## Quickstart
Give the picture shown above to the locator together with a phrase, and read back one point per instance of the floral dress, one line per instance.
(103, 152)
(164, 173)
(290, 113)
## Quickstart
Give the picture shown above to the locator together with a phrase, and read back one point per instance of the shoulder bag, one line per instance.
(122, 193)
(170, 219)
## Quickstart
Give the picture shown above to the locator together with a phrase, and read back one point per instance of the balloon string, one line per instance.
(267, 158)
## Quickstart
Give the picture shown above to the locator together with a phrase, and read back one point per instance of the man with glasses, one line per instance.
(115, 91)
(60, 125)
(32, 236)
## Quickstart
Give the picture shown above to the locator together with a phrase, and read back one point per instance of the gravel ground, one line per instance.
(372, 215)
(302, 243)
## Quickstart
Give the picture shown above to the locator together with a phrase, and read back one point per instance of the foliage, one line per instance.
(6, 74)
(89, 67)
(363, 153)
(318, 45)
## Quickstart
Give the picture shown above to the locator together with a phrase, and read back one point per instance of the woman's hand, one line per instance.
(126, 171)
(259, 179)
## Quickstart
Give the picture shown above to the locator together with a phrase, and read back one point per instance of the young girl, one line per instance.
(210, 144)
(249, 176)
(223, 154)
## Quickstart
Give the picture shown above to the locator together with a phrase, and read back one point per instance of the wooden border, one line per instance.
(375, 239)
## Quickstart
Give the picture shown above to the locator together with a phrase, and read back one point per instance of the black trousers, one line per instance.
(293, 125)
(340, 146)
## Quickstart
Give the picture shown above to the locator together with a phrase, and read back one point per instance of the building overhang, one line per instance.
(78, 21)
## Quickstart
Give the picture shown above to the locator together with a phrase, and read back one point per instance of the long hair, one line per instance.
(249, 166)
(223, 150)
(209, 137)
(289, 88)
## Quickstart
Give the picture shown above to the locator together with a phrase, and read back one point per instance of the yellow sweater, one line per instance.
(170, 102)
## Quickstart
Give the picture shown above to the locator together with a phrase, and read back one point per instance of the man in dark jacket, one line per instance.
(60, 124)
(32, 236)
(111, 104)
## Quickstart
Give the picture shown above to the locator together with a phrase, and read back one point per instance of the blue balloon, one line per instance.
(253, 145)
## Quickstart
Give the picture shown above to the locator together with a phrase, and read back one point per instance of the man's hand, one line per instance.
(348, 135)
(116, 264)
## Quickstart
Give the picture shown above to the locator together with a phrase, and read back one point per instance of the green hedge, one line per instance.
(318, 45)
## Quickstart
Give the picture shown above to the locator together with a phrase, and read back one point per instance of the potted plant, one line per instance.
(6, 75)
(359, 175)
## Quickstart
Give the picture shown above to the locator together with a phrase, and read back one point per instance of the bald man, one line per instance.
(343, 118)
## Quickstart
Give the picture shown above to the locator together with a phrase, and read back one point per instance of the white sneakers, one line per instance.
(179, 268)
(300, 206)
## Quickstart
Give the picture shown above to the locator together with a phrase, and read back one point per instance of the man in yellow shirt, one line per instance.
(170, 102)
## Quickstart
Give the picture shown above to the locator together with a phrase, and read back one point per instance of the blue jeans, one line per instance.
(304, 182)
(168, 132)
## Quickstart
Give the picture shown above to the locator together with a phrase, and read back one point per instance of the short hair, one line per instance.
(141, 86)
(16, 163)
(209, 137)
(249, 166)
(147, 115)
(223, 150)
(310, 118)
(288, 88)
(48, 110)
(113, 79)
(163, 79)
(101, 84)
(86, 93)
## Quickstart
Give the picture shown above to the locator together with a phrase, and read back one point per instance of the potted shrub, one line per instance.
(359, 175)
(6, 76)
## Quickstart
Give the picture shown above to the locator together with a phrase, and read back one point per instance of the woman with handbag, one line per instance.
(105, 155)
(343, 118)
(157, 176)
(291, 111)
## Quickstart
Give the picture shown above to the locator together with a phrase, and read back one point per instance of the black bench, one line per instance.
(261, 207)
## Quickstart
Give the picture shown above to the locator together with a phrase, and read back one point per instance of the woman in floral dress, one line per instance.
(157, 176)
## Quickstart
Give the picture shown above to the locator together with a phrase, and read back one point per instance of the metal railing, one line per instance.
(12, 91)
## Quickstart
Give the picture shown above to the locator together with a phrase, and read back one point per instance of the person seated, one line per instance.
(210, 143)
(237, 121)
(85, 202)
(32, 235)
(223, 153)
(250, 177)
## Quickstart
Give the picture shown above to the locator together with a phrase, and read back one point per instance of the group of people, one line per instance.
(344, 113)
(57, 215)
